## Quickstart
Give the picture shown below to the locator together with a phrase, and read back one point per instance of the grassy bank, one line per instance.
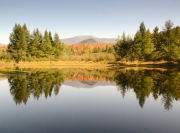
(145, 64)
(55, 64)
(88, 64)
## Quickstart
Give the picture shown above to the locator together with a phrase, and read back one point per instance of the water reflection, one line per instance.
(35, 83)
(145, 82)
(164, 84)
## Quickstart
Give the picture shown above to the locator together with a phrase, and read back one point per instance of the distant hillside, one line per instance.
(2, 44)
(88, 41)
(77, 39)
(87, 84)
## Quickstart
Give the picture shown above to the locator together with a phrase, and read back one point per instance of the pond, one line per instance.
(91, 101)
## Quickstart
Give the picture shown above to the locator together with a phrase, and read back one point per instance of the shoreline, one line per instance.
(12, 68)
(89, 64)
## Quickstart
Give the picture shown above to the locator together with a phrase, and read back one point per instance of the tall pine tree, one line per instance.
(58, 46)
(143, 46)
(26, 34)
(169, 46)
(35, 45)
(17, 46)
(47, 46)
(156, 38)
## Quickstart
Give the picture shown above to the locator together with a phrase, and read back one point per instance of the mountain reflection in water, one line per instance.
(164, 84)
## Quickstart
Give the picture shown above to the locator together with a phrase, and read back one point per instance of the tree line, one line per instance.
(147, 46)
(144, 46)
(24, 46)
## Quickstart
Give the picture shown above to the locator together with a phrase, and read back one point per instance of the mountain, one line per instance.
(87, 84)
(78, 39)
(2, 44)
(88, 41)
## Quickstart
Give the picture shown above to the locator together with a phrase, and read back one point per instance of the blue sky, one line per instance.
(100, 18)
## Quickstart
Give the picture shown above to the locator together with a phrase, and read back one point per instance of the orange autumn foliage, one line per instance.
(90, 48)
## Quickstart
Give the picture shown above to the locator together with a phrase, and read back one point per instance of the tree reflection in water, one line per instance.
(159, 83)
(145, 82)
(35, 83)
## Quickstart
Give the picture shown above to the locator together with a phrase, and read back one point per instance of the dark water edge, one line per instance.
(81, 100)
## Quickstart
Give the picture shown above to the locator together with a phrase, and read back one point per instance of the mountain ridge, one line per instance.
(77, 39)
(88, 84)
(88, 41)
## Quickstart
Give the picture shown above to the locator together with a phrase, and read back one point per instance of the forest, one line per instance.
(26, 46)
(159, 45)
(147, 46)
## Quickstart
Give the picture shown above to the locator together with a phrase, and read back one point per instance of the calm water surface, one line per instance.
(91, 101)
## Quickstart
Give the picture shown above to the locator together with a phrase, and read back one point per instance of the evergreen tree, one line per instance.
(169, 47)
(143, 45)
(26, 34)
(17, 46)
(137, 46)
(58, 46)
(27, 37)
(142, 29)
(47, 47)
(148, 46)
(177, 35)
(50, 37)
(156, 38)
(35, 45)
(123, 47)
(157, 41)
(117, 48)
